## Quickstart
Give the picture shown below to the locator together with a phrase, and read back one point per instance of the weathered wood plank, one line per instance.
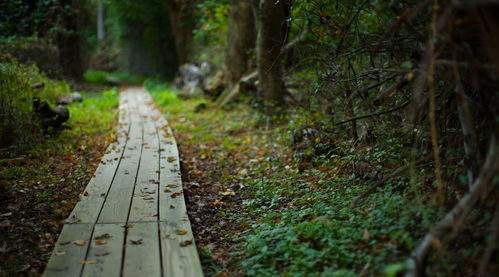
(142, 250)
(180, 257)
(145, 199)
(171, 197)
(106, 249)
(67, 257)
(117, 204)
(88, 208)
(137, 184)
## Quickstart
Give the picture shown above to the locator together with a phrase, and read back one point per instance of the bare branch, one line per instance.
(403, 105)
(482, 187)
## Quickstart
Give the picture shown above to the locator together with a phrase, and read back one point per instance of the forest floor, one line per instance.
(41, 183)
(276, 199)
(264, 199)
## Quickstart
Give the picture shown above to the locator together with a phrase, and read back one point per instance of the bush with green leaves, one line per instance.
(18, 123)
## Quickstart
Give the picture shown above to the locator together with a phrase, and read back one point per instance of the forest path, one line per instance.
(131, 219)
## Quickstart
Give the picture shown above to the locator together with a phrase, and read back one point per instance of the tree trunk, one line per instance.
(240, 40)
(271, 27)
(182, 24)
(101, 31)
(68, 41)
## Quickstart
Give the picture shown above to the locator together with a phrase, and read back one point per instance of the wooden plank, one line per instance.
(117, 204)
(171, 198)
(67, 257)
(88, 208)
(180, 257)
(106, 250)
(142, 250)
(145, 199)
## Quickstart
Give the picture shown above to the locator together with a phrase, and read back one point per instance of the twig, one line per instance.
(482, 187)
(292, 43)
(403, 105)
(363, 90)
(287, 47)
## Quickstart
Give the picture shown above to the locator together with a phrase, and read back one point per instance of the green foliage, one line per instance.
(162, 93)
(142, 31)
(210, 33)
(212, 22)
(23, 18)
(106, 78)
(16, 116)
(18, 123)
(96, 113)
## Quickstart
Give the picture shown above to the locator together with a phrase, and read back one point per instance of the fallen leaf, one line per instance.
(100, 242)
(171, 159)
(172, 207)
(172, 186)
(85, 193)
(218, 203)
(182, 232)
(65, 243)
(167, 190)
(136, 242)
(88, 262)
(101, 253)
(174, 195)
(229, 192)
(61, 253)
(186, 243)
(103, 236)
(79, 242)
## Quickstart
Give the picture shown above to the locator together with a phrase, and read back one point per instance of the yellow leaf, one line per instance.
(218, 203)
(79, 242)
(181, 232)
(88, 262)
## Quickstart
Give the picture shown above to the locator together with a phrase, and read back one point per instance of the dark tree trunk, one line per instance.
(272, 27)
(68, 40)
(182, 23)
(240, 40)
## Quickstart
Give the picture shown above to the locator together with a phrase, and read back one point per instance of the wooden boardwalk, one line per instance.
(131, 219)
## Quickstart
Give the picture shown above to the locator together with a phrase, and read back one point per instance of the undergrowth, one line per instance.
(292, 212)
(40, 184)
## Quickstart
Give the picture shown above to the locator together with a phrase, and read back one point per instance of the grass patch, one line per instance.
(162, 93)
(110, 78)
